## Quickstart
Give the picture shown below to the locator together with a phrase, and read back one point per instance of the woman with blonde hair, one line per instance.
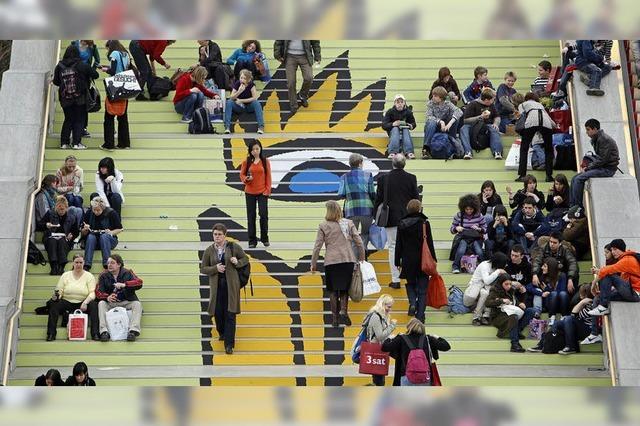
(70, 181)
(190, 93)
(243, 98)
(380, 326)
(416, 337)
(337, 234)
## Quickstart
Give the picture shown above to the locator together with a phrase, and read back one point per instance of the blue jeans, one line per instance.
(462, 249)
(623, 290)
(74, 200)
(253, 107)
(514, 333)
(558, 300)
(189, 104)
(400, 138)
(505, 120)
(524, 242)
(417, 294)
(595, 73)
(574, 330)
(494, 139)
(433, 127)
(106, 242)
(404, 381)
(578, 181)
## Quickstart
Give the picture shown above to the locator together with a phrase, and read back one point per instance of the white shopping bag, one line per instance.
(370, 283)
(123, 85)
(118, 323)
(512, 310)
(77, 325)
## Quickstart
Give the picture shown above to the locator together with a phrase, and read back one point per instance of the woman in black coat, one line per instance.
(408, 256)
(399, 350)
(50, 378)
(80, 376)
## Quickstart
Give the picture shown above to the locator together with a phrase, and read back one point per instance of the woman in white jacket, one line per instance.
(109, 181)
(480, 284)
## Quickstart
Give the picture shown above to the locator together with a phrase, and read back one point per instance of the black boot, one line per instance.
(54, 268)
(344, 309)
(333, 302)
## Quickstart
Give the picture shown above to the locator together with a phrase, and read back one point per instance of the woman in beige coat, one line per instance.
(336, 234)
(221, 261)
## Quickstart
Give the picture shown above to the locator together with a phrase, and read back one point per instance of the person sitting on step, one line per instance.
(530, 189)
(101, 226)
(80, 376)
(504, 104)
(221, 261)
(117, 287)
(469, 228)
(553, 284)
(476, 293)
(593, 66)
(75, 290)
(477, 86)
(337, 235)
(509, 314)
(613, 287)
(481, 115)
(51, 378)
(398, 122)
(442, 117)
(526, 224)
(446, 80)
(190, 93)
(210, 57)
(70, 181)
(109, 182)
(563, 254)
(559, 196)
(243, 98)
(250, 57)
(489, 200)
(499, 235)
(62, 227)
(539, 84)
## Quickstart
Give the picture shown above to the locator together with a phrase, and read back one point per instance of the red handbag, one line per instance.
(373, 360)
(437, 292)
(435, 376)
(563, 119)
(427, 263)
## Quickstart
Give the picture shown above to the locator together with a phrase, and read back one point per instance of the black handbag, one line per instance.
(471, 235)
(93, 99)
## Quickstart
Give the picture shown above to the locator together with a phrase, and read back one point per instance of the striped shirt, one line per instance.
(357, 187)
(539, 84)
(468, 222)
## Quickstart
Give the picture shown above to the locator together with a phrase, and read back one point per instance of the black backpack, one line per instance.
(201, 123)
(244, 275)
(70, 86)
(553, 342)
(34, 255)
(160, 87)
(479, 136)
(565, 158)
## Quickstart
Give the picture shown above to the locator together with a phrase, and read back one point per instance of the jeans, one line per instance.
(514, 333)
(404, 381)
(115, 201)
(494, 139)
(505, 120)
(537, 304)
(225, 320)
(59, 306)
(595, 73)
(623, 290)
(558, 299)
(73, 124)
(417, 294)
(364, 222)
(106, 242)
(433, 127)
(142, 63)
(134, 306)
(253, 107)
(124, 140)
(291, 64)
(73, 199)
(525, 242)
(186, 106)
(400, 138)
(527, 137)
(578, 181)
(462, 250)
(392, 232)
(574, 330)
(261, 201)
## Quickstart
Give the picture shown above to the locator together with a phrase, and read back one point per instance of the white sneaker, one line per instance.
(455, 271)
(468, 156)
(227, 131)
(391, 156)
(186, 120)
(552, 319)
(591, 339)
(599, 311)
(65, 146)
(497, 156)
(79, 146)
(260, 130)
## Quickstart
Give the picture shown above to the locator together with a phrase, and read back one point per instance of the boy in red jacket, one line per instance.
(626, 285)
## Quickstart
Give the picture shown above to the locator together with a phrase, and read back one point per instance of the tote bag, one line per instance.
(123, 85)
(118, 323)
(355, 289)
(77, 325)
(427, 263)
(373, 360)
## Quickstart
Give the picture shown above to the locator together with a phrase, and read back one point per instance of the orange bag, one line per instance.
(436, 292)
(117, 107)
(427, 263)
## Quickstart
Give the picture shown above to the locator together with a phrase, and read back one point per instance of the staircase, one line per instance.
(178, 185)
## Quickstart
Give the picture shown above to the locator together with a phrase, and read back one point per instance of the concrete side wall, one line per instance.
(22, 123)
(625, 318)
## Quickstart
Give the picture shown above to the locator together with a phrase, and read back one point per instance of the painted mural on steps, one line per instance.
(304, 170)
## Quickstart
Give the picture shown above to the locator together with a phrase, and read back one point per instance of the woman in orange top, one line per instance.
(255, 173)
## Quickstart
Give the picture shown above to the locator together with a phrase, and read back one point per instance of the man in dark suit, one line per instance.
(402, 187)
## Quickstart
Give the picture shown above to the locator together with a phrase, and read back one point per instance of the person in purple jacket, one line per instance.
(469, 228)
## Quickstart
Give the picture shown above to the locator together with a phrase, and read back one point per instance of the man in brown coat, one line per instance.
(221, 261)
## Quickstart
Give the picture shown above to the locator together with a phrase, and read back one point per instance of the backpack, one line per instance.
(441, 148)
(455, 301)
(160, 87)
(34, 255)
(244, 275)
(553, 342)
(360, 338)
(70, 87)
(479, 136)
(565, 157)
(417, 368)
(201, 123)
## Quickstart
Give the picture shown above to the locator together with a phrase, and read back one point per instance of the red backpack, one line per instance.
(417, 369)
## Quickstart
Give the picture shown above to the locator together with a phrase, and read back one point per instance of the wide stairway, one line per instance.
(178, 185)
